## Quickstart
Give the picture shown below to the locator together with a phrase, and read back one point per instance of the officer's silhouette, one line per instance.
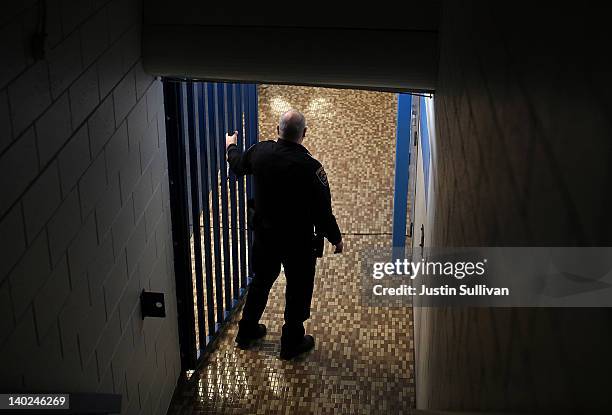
(292, 202)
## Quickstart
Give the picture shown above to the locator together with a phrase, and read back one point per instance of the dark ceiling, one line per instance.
(383, 45)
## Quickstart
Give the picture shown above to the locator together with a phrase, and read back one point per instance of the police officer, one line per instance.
(292, 202)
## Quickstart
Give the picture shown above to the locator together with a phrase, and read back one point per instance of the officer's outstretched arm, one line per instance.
(239, 162)
(325, 221)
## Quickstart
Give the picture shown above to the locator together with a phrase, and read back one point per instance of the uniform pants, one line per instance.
(298, 259)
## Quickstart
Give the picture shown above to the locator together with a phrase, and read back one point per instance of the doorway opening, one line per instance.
(355, 134)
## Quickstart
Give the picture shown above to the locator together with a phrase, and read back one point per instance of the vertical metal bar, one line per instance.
(187, 189)
(249, 181)
(205, 179)
(249, 184)
(232, 126)
(241, 189)
(229, 104)
(402, 163)
(213, 139)
(252, 139)
(194, 172)
(223, 127)
(180, 223)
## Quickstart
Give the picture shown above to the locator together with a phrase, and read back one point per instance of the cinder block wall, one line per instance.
(84, 207)
(524, 158)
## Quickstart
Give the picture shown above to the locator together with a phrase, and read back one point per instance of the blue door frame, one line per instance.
(402, 164)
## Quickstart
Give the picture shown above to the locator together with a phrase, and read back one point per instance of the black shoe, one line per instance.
(289, 352)
(245, 340)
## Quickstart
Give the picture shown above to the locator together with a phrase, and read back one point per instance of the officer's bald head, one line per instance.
(292, 126)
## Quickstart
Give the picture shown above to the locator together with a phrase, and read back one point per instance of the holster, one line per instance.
(317, 245)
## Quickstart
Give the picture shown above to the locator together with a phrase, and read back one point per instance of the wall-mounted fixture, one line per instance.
(152, 304)
(422, 243)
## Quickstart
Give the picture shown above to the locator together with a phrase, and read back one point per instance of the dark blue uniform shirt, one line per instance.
(292, 196)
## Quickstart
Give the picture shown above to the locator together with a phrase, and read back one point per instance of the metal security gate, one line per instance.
(208, 205)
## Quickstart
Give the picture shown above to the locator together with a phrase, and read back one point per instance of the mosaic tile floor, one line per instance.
(363, 359)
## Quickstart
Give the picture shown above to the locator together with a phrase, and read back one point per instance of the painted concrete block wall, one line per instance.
(524, 158)
(84, 207)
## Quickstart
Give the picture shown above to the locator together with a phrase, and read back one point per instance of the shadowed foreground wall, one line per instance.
(84, 207)
(524, 159)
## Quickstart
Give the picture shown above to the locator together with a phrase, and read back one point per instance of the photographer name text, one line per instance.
(444, 290)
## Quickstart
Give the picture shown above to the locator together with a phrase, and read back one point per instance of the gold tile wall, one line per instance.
(352, 133)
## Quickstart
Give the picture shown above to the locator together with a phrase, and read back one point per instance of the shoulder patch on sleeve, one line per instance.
(322, 176)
